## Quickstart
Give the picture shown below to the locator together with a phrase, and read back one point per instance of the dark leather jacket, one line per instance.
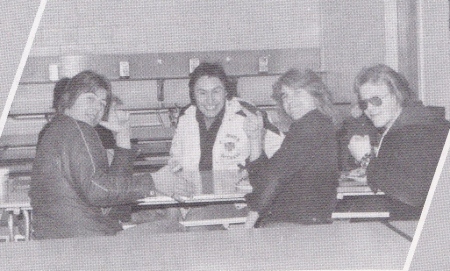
(298, 183)
(71, 182)
(407, 159)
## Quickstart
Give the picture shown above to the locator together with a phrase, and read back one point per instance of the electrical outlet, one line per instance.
(124, 70)
(263, 66)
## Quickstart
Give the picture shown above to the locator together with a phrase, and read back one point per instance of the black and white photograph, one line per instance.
(224, 135)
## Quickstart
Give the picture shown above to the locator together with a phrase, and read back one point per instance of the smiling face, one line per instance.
(89, 107)
(297, 102)
(382, 106)
(210, 95)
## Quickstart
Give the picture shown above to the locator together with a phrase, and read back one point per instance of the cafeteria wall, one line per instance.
(347, 39)
(17, 17)
(434, 53)
(350, 33)
(15, 23)
(140, 26)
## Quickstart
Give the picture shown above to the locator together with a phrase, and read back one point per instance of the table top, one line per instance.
(354, 185)
(340, 245)
(161, 200)
(17, 196)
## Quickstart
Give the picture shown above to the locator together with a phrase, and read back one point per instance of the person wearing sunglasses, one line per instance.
(412, 138)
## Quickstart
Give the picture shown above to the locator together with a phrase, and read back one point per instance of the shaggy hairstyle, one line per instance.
(312, 83)
(210, 70)
(58, 91)
(382, 74)
(84, 82)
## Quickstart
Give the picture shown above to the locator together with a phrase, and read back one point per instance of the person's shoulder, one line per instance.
(60, 128)
(244, 103)
(237, 106)
(61, 122)
(317, 118)
(268, 125)
(71, 128)
(313, 123)
(186, 111)
(186, 118)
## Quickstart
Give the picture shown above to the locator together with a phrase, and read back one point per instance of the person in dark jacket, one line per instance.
(404, 163)
(71, 178)
(298, 183)
(58, 91)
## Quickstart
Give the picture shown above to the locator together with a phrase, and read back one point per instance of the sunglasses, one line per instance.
(375, 101)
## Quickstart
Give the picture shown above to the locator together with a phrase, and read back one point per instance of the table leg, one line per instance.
(26, 216)
(11, 225)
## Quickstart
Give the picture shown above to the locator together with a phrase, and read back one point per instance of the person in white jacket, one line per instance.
(210, 134)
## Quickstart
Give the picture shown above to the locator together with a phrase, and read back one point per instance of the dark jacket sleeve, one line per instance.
(406, 162)
(296, 152)
(97, 183)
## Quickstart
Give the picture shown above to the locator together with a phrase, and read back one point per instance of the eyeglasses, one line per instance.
(375, 101)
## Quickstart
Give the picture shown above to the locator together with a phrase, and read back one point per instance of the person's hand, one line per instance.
(252, 217)
(118, 121)
(355, 111)
(359, 146)
(243, 175)
(254, 128)
(183, 187)
(253, 124)
(170, 184)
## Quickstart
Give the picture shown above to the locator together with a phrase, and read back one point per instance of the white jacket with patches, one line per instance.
(231, 147)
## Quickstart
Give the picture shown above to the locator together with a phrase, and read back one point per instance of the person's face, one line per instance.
(89, 107)
(296, 102)
(382, 106)
(210, 95)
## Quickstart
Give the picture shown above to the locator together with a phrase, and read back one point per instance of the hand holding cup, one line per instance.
(359, 146)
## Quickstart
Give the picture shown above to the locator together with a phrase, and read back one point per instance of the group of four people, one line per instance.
(294, 175)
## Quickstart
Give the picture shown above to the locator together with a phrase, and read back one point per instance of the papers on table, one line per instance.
(196, 186)
(357, 175)
(238, 197)
(354, 183)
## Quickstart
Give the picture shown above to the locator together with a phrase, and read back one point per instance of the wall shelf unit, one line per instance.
(153, 95)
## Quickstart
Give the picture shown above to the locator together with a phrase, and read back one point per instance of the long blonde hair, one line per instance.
(313, 84)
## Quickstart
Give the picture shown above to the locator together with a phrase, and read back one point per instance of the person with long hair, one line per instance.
(413, 136)
(298, 183)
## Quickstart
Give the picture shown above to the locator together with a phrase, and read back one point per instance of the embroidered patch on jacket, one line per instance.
(229, 150)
